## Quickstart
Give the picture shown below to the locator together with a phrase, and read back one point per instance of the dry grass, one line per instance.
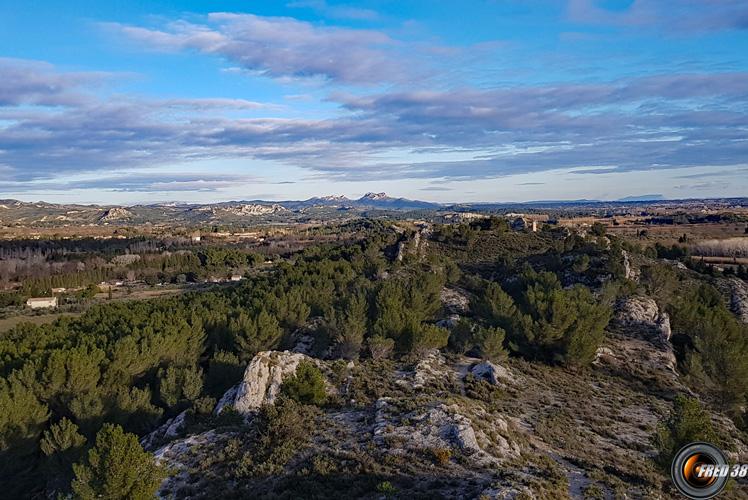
(43, 319)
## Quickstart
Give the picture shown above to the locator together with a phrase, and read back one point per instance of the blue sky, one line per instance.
(482, 100)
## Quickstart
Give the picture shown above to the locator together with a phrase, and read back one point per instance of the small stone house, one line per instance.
(42, 303)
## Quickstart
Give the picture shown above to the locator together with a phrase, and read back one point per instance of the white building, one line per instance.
(42, 303)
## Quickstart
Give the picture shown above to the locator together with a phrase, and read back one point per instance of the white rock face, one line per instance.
(177, 457)
(114, 214)
(168, 431)
(739, 298)
(226, 400)
(441, 426)
(454, 300)
(640, 316)
(494, 374)
(630, 273)
(429, 370)
(263, 379)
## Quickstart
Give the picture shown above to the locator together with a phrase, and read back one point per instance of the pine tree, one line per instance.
(62, 444)
(348, 324)
(688, 422)
(491, 344)
(117, 468)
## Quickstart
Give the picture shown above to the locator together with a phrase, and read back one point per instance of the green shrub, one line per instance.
(491, 343)
(688, 422)
(715, 357)
(387, 488)
(306, 386)
(380, 347)
(283, 429)
(422, 337)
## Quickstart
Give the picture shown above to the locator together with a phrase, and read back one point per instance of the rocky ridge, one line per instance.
(498, 430)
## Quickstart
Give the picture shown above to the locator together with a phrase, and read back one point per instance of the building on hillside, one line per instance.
(58, 290)
(42, 303)
(236, 277)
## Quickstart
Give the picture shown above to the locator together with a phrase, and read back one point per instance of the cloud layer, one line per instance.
(281, 47)
(50, 124)
(388, 123)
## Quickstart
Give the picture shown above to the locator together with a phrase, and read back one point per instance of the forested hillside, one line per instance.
(549, 308)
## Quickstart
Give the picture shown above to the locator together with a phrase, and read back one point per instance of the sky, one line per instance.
(139, 101)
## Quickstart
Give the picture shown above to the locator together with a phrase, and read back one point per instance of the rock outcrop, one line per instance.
(493, 374)
(115, 214)
(640, 316)
(430, 371)
(179, 457)
(629, 272)
(262, 381)
(454, 300)
(738, 292)
(170, 430)
(645, 339)
(438, 427)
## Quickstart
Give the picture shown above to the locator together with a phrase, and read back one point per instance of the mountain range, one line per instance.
(14, 212)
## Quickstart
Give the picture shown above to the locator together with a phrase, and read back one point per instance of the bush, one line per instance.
(283, 429)
(712, 346)
(598, 229)
(441, 456)
(561, 325)
(62, 444)
(117, 468)
(688, 422)
(423, 337)
(380, 347)
(386, 487)
(491, 344)
(461, 336)
(306, 386)
(660, 281)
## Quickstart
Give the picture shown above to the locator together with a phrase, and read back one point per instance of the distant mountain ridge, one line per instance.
(316, 209)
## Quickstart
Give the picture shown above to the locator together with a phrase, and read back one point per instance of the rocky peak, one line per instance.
(375, 196)
(334, 198)
(115, 213)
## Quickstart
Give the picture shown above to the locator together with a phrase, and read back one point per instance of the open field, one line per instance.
(43, 319)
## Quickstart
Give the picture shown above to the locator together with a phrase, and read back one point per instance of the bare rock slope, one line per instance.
(450, 426)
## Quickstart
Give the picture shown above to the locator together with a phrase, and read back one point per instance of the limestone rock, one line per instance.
(179, 458)
(263, 379)
(115, 214)
(640, 316)
(494, 374)
(440, 426)
(431, 370)
(629, 272)
(166, 432)
(226, 400)
(738, 290)
(449, 322)
(604, 355)
(454, 300)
